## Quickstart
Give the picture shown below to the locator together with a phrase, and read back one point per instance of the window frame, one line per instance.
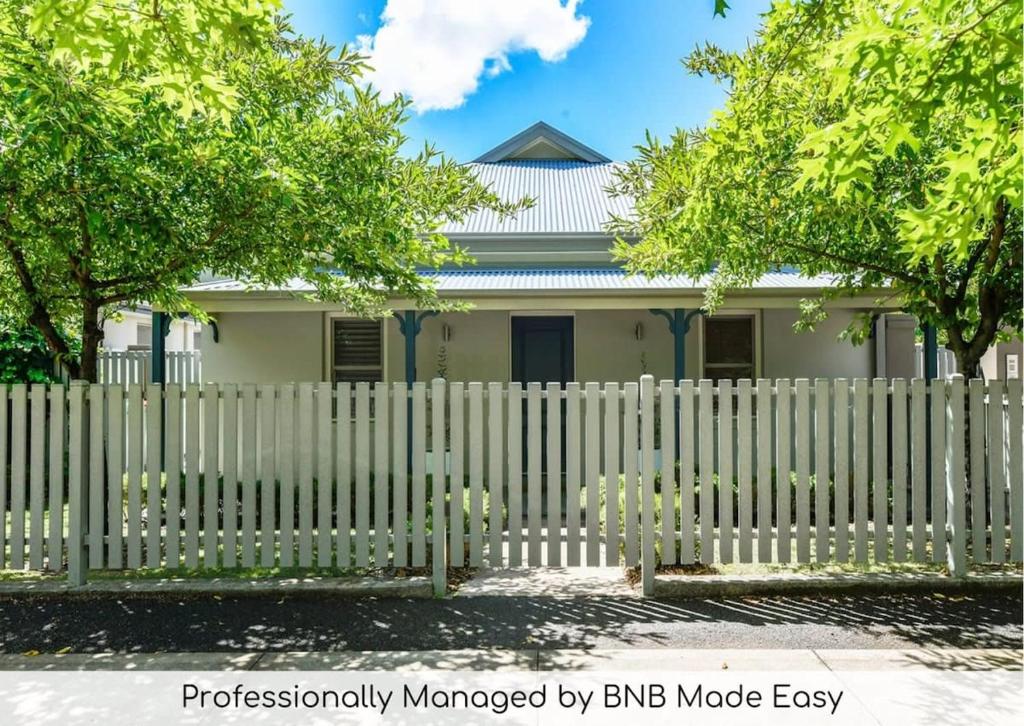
(754, 316)
(328, 345)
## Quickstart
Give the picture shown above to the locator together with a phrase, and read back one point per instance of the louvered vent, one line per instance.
(357, 350)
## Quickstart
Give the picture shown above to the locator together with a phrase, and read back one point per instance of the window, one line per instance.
(729, 347)
(356, 347)
(197, 336)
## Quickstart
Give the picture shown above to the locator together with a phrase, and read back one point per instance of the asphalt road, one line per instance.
(293, 623)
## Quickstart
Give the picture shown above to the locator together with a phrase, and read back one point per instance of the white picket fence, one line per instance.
(946, 362)
(125, 367)
(498, 475)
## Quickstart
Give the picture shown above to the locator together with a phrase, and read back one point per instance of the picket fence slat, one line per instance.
(438, 487)
(419, 473)
(687, 551)
(979, 512)
(592, 471)
(97, 499)
(572, 474)
(803, 470)
(134, 438)
(861, 457)
(381, 490)
(37, 456)
(879, 473)
(210, 402)
(533, 474)
(305, 466)
(822, 470)
(899, 470)
(172, 474)
(784, 524)
(476, 473)
(154, 473)
(400, 465)
(324, 474)
(996, 480)
(841, 468)
(362, 461)
(764, 470)
(744, 467)
(249, 417)
(706, 473)
(55, 480)
(1016, 475)
(515, 473)
(268, 474)
(457, 534)
(192, 479)
(77, 494)
(611, 474)
(725, 479)
(938, 470)
(955, 474)
(647, 534)
(343, 473)
(115, 476)
(667, 412)
(495, 465)
(286, 476)
(918, 469)
(554, 474)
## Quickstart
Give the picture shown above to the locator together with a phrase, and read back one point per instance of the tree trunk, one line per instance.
(92, 335)
(968, 362)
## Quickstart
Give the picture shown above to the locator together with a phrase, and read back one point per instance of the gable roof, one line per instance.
(542, 141)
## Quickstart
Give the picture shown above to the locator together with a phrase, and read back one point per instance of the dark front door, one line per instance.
(542, 349)
(542, 353)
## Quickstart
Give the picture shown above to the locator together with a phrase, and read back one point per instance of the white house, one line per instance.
(548, 304)
(132, 329)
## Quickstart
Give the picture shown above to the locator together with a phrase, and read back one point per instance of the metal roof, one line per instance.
(569, 198)
(550, 281)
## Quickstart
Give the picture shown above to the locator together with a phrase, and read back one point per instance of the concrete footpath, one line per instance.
(652, 660)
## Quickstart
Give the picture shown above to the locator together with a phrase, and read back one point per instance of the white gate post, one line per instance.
(439, 535)
(647, 533)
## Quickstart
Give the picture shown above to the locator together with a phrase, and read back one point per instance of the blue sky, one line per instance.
(476, 72)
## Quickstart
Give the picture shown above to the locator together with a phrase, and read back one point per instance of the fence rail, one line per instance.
(503, 475)
(125, 367)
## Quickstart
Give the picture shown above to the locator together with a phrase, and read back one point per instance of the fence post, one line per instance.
(77, 498)
(956, 520)
(439, 535)
(647, 533)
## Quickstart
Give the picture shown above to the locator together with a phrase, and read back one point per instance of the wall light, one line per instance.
(639, 331)
(446, 332)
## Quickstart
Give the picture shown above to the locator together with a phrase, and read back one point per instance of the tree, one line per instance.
(109, 196)
(177, 41)
(875, 140)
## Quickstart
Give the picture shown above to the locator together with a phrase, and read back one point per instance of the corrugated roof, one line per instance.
(560, 280)
(569, 198)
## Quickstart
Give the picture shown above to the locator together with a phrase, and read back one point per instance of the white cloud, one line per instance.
(435, 51)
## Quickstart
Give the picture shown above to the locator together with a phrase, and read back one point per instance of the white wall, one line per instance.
(120, 334)
(264, 348)
(789, 354)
